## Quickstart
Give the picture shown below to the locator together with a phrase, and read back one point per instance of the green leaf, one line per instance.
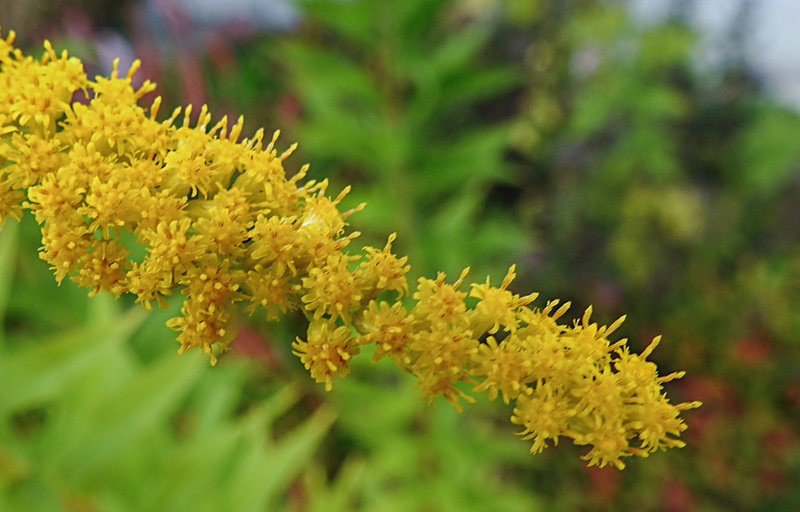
(342, 494)
(353, 20)
(330, 82)
(767, 153)
(37, 373)
(455, 54)
(9, 235)
(272, 469)
(120, 416)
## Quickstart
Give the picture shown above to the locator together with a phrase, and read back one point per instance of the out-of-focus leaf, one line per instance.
(121, 415)
(293, 451)
(342, 494)
(452, 56)
(350, 20)
(434, 98)
(596, 24)
(768, 153)
(40, 308)
(37, 373)
(473, 158)
(8, 252)
(465, 88)
(664, 46)
(659, 104)
(595, 107)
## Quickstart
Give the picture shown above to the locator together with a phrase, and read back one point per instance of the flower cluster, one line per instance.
(220, 222)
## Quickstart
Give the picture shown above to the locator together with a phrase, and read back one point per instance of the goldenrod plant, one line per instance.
(221, 221)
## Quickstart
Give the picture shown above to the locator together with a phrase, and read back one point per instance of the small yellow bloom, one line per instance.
(383, 271)
(441, 360)
(327, 352)
(390, 328)
(331, 289)
(498, 307)
(440, 305)
(505, 368)
(277, 243)
(270, 291)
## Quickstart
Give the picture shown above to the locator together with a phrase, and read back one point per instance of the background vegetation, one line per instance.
(559, 135)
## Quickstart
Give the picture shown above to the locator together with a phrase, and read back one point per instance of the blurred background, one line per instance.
(639, 156)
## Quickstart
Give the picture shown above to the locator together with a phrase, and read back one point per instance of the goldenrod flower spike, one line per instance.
(223, 225)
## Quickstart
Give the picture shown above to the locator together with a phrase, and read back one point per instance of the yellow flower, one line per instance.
(211, 289)
(389, 327)
(63, 246)
(34, 95)
(112, 121)
(276, 243)
(331, 289)
(102, 266)
(504, 368)
(440, 305)
(497, 307)
(441, 359)
(543, 414)
(269, 291)
(224, 222)
(383, 271)
(35, 157)
(223, 225)
(327, 352)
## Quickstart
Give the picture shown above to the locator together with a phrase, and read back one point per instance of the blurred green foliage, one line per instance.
(559, 135)
(396, 98)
